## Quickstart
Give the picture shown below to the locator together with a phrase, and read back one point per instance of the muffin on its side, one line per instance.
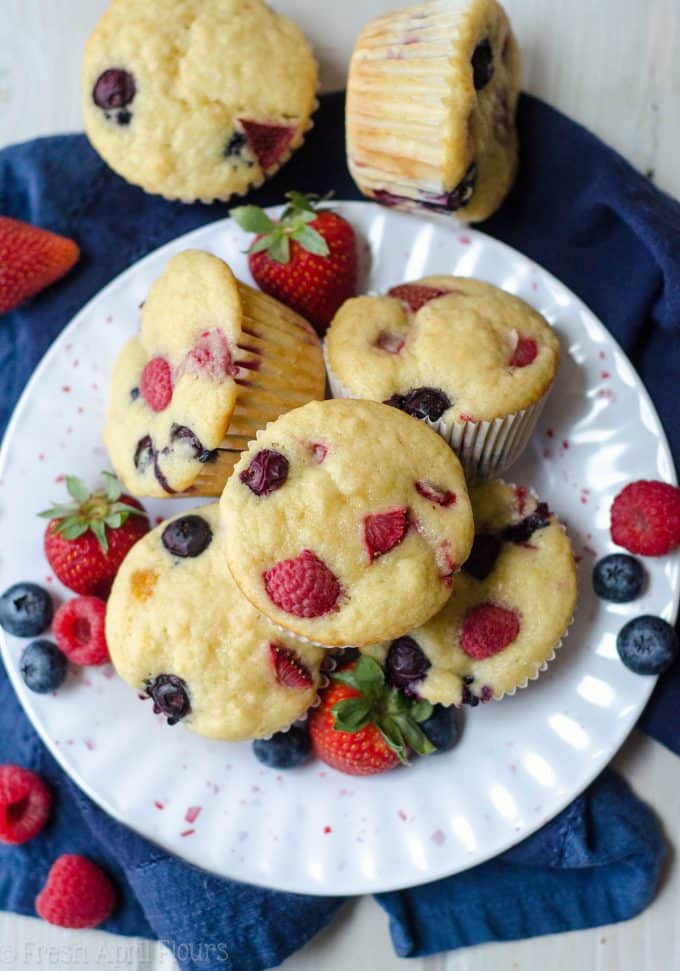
(512, 604)
(431, 100)
(197, 99)
(473, 361)
(345, 520)
(179, 630)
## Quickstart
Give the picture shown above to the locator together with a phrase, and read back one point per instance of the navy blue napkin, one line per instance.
(582, 212)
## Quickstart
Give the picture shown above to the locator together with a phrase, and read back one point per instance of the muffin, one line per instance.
(510, 609)
(431, 100)
(179, 630)
(475, 362)
(214, 361)
(197, 99)
(345, 520)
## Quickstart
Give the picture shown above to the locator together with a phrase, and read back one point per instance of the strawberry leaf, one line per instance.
(421, 711)
(99, 530)
(392, 735)
(77, 488)
(351, 714)
(262, 244)
(279, 251)
(310, 240)
(112, 488)
(252, 219)
(114, 520)
(415, 736)
(73, 530)
(56, 512)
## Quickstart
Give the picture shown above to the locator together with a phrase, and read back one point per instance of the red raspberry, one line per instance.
(289, 669)
(384, 531)
(79, 630)
(77, 893)
(524, 353)
(211, 355)
(156, 383)
(25, 803)
(487, 629)
(303, 586)
(645, 518)
(416, 295)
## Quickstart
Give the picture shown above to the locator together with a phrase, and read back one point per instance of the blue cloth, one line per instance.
(583, 213)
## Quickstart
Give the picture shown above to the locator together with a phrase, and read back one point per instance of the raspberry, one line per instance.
(645, 518)
(416, 295)
(156, 383)
(267, 142)
(210, 355)
(524, 353)
(79, 629)
(433, 493)
(289, 669)
(77, 893)
(303, 586)
(384, 531)
(487, 629)
(25, 803)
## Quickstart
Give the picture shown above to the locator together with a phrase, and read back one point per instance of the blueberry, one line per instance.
(458, 197)
(114, 88)
(468, 698)
(522, 531)
(441, 728)
(134, 393)
(482, 64)
(406, 664)
(483, 556)
(186, 436)
(267, 472)
(237, 142)
(285, 750)
(647, 645)
(187, 536)
(144, 453)
(25, 610)
(123, 117)
(43, 666)
(421, 403)
(618, 577)
(170, 697)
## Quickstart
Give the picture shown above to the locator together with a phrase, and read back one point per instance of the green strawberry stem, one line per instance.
(274, 237)
(395, 715)
(94, 511)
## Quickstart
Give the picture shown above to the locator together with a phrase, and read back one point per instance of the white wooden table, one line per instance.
(613, 65)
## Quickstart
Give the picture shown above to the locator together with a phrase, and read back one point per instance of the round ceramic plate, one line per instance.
(314, 830)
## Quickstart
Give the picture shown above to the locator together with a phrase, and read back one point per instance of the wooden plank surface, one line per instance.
(613, 65)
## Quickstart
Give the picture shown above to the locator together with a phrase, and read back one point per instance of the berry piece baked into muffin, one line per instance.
(473, 361)
(197, 99)
(179, 630)
(510, 608)
(431, 100)
(214, 361)
(345, 520)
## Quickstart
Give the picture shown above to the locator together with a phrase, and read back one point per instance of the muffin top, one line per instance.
(173, 387)
(179, 629)
(196, 99)
(345, 520)
(512, 603)
(443, 347)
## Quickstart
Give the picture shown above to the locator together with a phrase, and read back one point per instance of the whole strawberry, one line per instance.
(307, 260)
(363, 726)
(86, 540)
(30, 260)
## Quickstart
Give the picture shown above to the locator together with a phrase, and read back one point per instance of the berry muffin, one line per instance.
(431, 100)
(214, 361)
(511, 606)
(345, 520)
(179, 630)
(473, 361)
(197, 99)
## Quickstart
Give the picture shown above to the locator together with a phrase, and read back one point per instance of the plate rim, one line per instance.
(595, 767)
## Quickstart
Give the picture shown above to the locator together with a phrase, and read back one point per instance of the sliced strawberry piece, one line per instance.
(383, 531)
(432, 493)
(416, 295)
(487, 630)
(156, 383)
(303, 586)
(30, 260)
(524, 353)
(392, 343)
(268, 142)
(289, 669)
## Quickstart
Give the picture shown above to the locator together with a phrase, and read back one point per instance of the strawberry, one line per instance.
(30, 260)
(267, 142)
(416, 295)
(363, 726)
(288, 668)
(307, 260)
(385, 530)
(524, 353)
(87, 540)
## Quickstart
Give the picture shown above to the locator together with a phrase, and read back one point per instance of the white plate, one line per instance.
(314, 830)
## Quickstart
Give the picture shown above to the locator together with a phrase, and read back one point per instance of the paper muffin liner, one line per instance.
(281, 369)
(485, 448)
(328, 665)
